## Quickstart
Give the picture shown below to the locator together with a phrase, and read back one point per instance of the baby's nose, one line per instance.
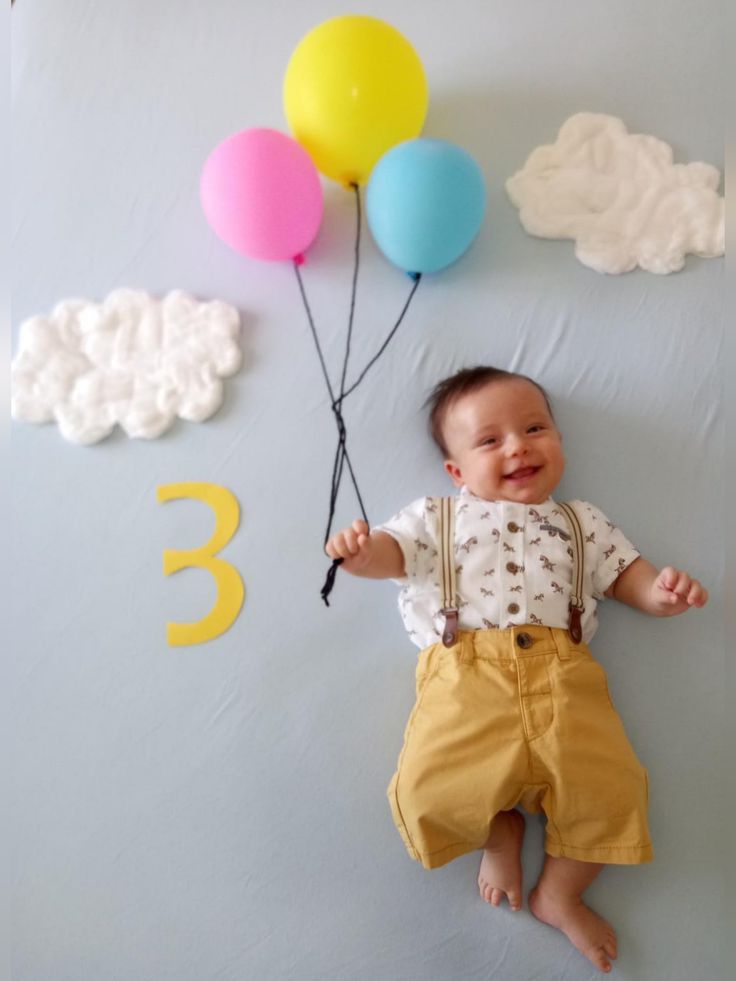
(516, 442)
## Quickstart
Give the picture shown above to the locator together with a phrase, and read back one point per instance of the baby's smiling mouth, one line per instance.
(522, 473)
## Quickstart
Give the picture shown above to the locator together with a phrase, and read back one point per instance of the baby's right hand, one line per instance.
(353, 545)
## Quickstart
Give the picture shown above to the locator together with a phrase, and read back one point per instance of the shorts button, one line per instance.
(513, 527)
(513, 607)
(512, 567)
(525, 641)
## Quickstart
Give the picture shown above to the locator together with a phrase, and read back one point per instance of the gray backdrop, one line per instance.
(218, 812)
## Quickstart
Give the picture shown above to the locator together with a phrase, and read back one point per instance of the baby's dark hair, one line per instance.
(449, 390)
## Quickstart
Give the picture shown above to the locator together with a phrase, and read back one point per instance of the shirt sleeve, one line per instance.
(607, 550)
(414, 529)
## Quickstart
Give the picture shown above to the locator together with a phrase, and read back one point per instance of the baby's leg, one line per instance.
(557, 900)
(500, 867)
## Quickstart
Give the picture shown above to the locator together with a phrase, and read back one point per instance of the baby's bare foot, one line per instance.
(500, 867)
(590, 933)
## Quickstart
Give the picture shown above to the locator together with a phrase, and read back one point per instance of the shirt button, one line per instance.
(525, 641)
(512, 567)
(513, 607)
(513, 527)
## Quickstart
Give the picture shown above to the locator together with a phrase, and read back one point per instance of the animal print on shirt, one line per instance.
(506, 555)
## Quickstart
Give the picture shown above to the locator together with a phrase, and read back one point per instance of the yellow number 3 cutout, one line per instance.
(230, 590)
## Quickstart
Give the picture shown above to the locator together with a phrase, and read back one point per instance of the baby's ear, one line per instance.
(454, 471)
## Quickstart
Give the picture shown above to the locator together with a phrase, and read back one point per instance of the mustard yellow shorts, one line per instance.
(518, 716)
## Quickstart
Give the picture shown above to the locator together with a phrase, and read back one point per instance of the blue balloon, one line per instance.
(425, 203)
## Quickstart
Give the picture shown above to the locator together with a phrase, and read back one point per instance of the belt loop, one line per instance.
(562, 644)
(467, 647)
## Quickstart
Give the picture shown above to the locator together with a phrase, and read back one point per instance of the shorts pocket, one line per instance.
(590, 677)
(425, 667)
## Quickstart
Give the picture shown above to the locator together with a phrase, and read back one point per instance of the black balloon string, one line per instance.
(340, 451)
(342, 457)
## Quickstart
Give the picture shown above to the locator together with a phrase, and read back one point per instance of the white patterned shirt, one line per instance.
(513, 564)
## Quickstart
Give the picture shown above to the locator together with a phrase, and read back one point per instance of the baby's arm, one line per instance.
(374, 555)
(663, 594)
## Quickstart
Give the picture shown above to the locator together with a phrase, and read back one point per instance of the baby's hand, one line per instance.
(674, 592)
(353, 545)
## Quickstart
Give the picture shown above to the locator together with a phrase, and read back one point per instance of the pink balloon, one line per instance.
(262, 195)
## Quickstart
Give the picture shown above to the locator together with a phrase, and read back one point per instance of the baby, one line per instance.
(499, 589)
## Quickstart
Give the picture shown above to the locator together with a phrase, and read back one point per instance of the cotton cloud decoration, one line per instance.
(132, 360)
(620, 197)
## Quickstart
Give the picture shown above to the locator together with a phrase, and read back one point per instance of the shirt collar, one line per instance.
(465, 493)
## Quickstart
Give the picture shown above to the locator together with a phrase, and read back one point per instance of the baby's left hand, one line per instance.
(674, 591)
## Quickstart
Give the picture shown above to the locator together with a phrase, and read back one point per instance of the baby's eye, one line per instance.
(489, 441)
(535, 429)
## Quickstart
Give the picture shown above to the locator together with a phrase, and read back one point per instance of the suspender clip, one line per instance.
(449, 634)
(575, 628)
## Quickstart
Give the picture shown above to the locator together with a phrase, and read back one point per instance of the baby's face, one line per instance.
(503, 443)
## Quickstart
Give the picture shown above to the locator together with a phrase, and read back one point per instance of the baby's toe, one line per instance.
(514, 900)
(496, 897)
(599, 959)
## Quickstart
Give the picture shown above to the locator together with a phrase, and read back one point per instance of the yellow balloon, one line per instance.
(354, 87)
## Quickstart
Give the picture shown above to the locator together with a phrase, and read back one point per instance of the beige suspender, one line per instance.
(447, 561)
(578, 553)
(448, 579)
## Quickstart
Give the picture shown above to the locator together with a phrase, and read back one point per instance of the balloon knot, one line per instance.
(330, 580)
(299, 259)
(414, 276)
